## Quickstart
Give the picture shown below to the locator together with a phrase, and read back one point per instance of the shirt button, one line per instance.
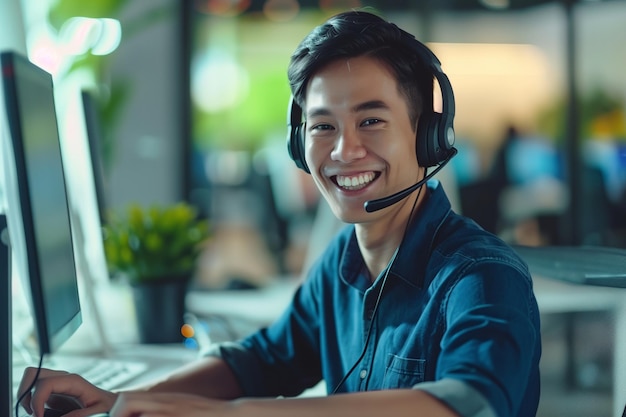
(363, 373)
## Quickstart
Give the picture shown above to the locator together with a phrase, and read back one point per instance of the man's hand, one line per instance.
(63, 391)
(147, 404)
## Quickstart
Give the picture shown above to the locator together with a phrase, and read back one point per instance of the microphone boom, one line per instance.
(381, 203)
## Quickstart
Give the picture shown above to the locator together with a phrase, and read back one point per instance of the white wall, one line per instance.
(12, 26)
(147, 155)
(11, 38)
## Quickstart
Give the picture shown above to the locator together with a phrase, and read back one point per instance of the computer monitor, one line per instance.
(6, 395)
(40, 201)
(80, 136)
(93, 129)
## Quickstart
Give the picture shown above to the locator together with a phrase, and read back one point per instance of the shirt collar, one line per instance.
(413, 256)
(410, 263)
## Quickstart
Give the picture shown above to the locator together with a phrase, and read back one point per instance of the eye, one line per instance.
(370, 122)
(321, 127)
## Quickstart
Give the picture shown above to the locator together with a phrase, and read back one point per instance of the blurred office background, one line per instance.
(192, 98)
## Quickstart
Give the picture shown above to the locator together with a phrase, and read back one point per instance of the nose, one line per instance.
(348, 147)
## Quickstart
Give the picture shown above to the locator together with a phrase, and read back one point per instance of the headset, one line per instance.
(435, 133)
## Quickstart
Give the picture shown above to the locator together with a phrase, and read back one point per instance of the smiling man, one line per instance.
(412, 309)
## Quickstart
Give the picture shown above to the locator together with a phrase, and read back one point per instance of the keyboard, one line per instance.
(105, 373)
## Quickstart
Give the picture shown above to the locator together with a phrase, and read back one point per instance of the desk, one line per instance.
(561, 297)
(251, 309)
(260, 307)
(157, 362)
(161, 359)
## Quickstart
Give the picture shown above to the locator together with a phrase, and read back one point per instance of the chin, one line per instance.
(349, 213)
(351, 216)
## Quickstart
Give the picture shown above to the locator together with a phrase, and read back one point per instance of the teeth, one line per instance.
(355, 182)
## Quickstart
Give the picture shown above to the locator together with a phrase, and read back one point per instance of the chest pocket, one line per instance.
(403, 372)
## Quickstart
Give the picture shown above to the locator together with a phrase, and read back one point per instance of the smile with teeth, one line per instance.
(355, 182)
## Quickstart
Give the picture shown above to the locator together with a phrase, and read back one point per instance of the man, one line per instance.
(412, 309)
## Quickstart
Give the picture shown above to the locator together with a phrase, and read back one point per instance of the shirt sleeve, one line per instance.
(492, 339)
(281, 359)
(461, 397)
(241, 361)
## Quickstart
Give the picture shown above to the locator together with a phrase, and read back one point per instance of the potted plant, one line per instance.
(155, 250)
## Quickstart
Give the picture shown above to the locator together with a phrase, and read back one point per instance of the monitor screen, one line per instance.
(94, 137)
(43, 205)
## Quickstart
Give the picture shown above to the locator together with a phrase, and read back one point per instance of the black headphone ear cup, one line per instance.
(426, 140)
(433, 145)
(295, 135)
(295, 146)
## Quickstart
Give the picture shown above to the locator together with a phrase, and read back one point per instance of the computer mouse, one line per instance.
(51, 412)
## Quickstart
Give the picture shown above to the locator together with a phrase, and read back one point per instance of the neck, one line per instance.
(379, 240)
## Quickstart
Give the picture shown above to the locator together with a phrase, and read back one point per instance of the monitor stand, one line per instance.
(6, 380)
(88, 279)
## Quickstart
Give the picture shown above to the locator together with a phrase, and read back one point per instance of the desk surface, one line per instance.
(587, 265)
(558, 297)
(160, 360)
(264, 305)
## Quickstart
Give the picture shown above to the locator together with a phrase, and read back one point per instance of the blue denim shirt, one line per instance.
(457, 305)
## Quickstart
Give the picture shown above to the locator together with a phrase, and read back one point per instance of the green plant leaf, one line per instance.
(154, 243)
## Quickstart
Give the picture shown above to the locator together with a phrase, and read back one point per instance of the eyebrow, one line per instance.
(367, 105)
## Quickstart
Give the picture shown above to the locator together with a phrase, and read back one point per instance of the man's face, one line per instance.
(360, 144)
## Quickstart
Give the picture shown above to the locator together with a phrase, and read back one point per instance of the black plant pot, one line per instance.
(160, 308)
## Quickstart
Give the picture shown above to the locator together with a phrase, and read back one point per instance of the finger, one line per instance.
(126, 407)
(134, 404)
(63, 402)
(28, 381)
(85, 412)
(61, 383)
(23, 390)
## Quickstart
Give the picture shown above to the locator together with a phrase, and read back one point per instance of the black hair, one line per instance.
(360, 33)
